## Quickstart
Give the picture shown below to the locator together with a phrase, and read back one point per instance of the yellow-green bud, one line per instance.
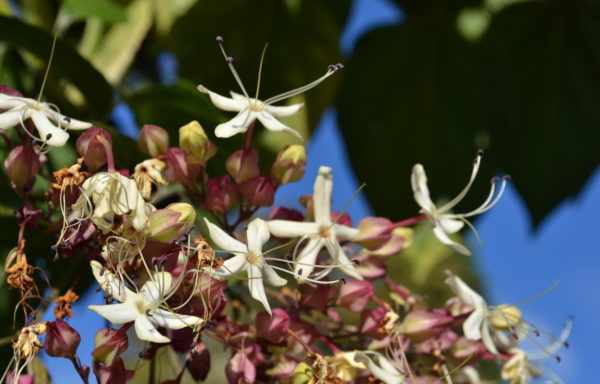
(505, 317)
(170, 223)
(193, 139)
(289, 165)
(303, 373)
(188, 213)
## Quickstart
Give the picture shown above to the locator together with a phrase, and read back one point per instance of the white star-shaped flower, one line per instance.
(247, 257)
(251, 108)
(49, 122)
(143, 307)
(442, 220)
(322, 233)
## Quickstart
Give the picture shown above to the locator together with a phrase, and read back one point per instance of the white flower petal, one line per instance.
(438, 231)
(145, 330)
(224, 103)
(10, 102)
(339, 257)
(450, 225)
(322, 196)
(257, 235)
(288, 228)
(286, 110)
(231, 266)
(272, 124)
(10, 119)
(171, 320)
(472, 326)
(345, 232)
(155, 289)
(118, 313)
(465, 293)
(383, 369)
(109, 283)
(57, 136)
(238, 124)
(271, 277)
(223, 240)
(487, 339)
(256, 286)
(65, 121)
(308, 256)
(418, 181)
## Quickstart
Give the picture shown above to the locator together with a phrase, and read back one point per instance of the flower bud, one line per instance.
(239, 367)
(198, 362)
(21, 165)
(303, 374)
(153, 140)
(273, 328)
(316, 297)
(290, 164)
(170, 223)
(193, 139)
(61, 340)
(378, 322)
(242, 165)
(23, 379)
(259, 191)
(178, 169)
(282, 213)
(374, 232)
(221, 193)
(91, 145)
(355, 295)
(109, 344)
(9, 91)
(116, 373)
(420, 325)
(505, 317)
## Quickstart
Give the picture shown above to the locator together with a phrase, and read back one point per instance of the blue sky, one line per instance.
(516, 264)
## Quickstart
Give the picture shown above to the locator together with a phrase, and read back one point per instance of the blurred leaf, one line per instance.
(546, 128)
(39, 371)
(5, 8)
(39, 42)
(413, 103)
(410, 7)
(303, 40)
(166, 12)
(119, 45)
(105, 10)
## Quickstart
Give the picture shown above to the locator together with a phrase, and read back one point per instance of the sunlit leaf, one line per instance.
(105, 10)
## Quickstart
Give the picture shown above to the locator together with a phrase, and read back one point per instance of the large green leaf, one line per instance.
(303, 38)
(67, 62)
(546, 129)
(105, 10)
(410, 96)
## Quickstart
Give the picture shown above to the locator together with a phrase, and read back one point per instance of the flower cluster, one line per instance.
(173, 245)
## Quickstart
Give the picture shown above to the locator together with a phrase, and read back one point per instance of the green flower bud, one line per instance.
(170, 223)
(193, 139)
(289, 165)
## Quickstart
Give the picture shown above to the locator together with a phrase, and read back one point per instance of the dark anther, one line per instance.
(219, 39)
(54, 247)
(48, 136)
(331, 67)
(495, 179)
(229, 60)
(355, 261)
(300, 271)
(129, 212)
(339, 65)
(567, 345)
(515, 336)
(101, 273)
(108, 220)
(343, 281)
(536, 332)
(507, 177)
(480, 152)
(67, 119)
(98, 289)
(133, 243)
(558, 359)
(148, 313)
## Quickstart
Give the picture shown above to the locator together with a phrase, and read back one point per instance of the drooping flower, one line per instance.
(250, 109)
(442, 221)
(107, 194)
(145, 308)
(322, 233)
(51, 125)
(147, 173)
(380, 367)
(247, 257)
(518, 370)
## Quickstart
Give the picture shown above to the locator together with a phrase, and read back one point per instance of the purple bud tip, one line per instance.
(229, 60)
(480, 152)
(219, 39)
(507, 177)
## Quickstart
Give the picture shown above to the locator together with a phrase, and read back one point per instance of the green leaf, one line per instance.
(415, 103)
(105, 10)
(546, 128)
(67, 62)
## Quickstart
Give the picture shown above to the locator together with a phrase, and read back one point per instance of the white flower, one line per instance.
(380, 367)
(251, 108)
(442, 221)
(322, 233)
(143, 308)
(488, 324)
(49, 122)
(112, 194)
(247, 257)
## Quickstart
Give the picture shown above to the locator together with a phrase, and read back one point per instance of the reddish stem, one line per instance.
(407, 222)
(299, 339)
(249, 133)
(110, 160)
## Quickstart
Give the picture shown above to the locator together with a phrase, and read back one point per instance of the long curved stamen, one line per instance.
(557, 343)
(310, 280)
(229, 61)
(286, 95)
(463, 193)
(262, 57)
(486, 207)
